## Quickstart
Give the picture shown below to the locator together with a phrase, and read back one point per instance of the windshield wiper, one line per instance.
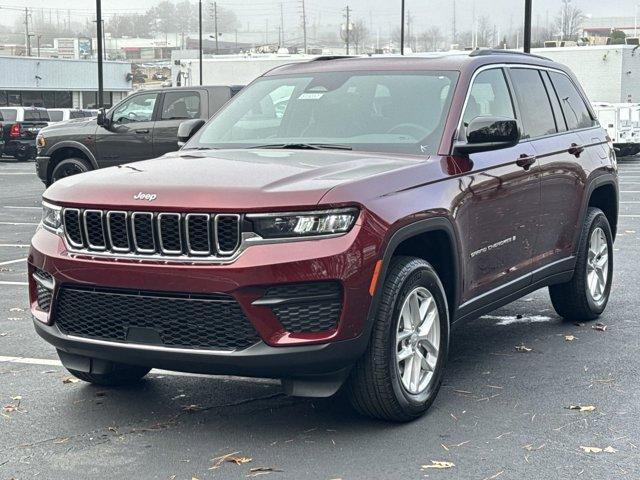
(306, 146)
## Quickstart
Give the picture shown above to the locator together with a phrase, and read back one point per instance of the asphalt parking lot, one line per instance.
(502, 412)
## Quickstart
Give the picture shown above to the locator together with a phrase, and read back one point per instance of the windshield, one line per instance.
(401, 112)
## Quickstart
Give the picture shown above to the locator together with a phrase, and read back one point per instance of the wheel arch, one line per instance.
(416, 239)
(602, 192)
(69, 149)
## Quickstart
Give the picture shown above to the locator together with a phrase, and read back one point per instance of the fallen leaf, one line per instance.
(3, 334)
(531, 448)
(439, 465)
(591, 449)
(492, 477)
(583, 408)
(191, 408)
(238, 460)
(218, 461)
(523, 349)
(61, 440)
(70, 380)
(569, 338)
(10, 408)
(599, 326)
(610, 449)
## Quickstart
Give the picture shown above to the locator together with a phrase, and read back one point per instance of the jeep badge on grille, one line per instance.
(150, 197)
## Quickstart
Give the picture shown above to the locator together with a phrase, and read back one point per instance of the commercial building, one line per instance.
(608, 73)
(48, 82)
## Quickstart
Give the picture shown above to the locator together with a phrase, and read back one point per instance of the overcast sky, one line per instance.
(383, 14)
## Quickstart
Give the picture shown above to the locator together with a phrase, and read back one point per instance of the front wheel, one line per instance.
(69, 167)
(400, 374)
(586, 295)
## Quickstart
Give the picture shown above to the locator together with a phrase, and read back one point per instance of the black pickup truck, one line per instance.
(20, 126)
(144, 125)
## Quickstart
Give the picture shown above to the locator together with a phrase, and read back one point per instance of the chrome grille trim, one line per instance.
(86, 230)
(217, 237)
(188, 218)
(112, 230)
(168, 251)
(149, 215)
(110, 237)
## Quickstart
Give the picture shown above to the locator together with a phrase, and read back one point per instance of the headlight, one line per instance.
(303, 224)
(41, 142)
(51, 216)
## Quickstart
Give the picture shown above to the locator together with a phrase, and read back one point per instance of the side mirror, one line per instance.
(103, 120)
(188, 129)
(487, 133)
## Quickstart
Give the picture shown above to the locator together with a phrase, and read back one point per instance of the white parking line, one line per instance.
(630, 191)
(56, 363)
(630, 216)
(19, 223)
(17, 245)
(17, 173)
(14, 261)
(22, 208)
(20, 284)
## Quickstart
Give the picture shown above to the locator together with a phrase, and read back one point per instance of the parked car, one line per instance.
(143, 125)
(620, 120)
(63, 114)
(337, 240)
(20, 128)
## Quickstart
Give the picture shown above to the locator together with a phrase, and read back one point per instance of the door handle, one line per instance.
(143, 131)
(576, 150)
(525, 161)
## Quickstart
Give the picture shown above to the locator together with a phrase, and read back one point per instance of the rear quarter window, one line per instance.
(9, 114)
(573, 106)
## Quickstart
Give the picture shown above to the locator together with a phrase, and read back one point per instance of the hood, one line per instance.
(71, 125)
(226, 180)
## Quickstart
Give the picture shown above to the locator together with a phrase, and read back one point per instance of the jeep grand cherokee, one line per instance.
(331, 224)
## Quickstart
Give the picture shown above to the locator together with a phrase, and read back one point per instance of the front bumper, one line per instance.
(348, 259)
(42, 165)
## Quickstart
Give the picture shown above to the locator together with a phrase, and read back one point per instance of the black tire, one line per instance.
(68, 167)
(120, 374)
(573, 299)
(374, 387)
(22, 156)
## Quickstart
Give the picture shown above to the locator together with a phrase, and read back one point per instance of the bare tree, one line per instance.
(569, 21)
(432, 39)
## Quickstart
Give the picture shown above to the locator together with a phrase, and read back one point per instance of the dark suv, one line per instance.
(331, 224)
(144, 125)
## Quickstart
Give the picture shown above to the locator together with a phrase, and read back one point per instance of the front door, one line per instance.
(129, 137)
(500, 202)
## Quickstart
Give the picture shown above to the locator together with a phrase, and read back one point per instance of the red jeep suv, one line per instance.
(331, 224)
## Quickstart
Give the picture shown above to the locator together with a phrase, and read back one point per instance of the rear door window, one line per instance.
(535, 108)
(56, 115)
(573, 106)
(10, 114)
(31, 116)
(180, 105)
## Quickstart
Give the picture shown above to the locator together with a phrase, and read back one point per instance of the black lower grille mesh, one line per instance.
(307, 307)
(175, 320)
(43, 294)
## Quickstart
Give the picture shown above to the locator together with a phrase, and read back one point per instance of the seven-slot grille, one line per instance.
(148, 233)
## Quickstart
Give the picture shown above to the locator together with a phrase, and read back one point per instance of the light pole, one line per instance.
(402, 29)
(527, 25)
(200, 38)
(99, 42)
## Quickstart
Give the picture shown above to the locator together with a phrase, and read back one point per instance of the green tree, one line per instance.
(618, 37)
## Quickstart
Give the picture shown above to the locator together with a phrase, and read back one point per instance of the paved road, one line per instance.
(500, 414)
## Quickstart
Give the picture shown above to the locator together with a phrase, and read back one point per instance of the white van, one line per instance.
(618, 120)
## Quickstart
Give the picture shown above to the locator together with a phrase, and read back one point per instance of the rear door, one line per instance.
(500, 201)
(177, 106)
(129, 138)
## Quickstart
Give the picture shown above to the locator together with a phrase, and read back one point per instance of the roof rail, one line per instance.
(493, 51)
(324, 58)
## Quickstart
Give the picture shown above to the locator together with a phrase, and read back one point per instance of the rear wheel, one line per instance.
(400, 374)
(69, 167)
(586, 295)
(22, 155)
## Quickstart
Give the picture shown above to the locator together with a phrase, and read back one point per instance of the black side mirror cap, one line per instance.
(188, 129)
(487, 133)
(102, 119)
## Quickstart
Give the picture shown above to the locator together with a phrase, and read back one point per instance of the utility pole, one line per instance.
(215, 25)
(347, 31)
(527, 25)
(402, 28)
(282, 24)
(200, 39)
(27, 37)
(99, 41)
(453, 37)
(304, 27)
